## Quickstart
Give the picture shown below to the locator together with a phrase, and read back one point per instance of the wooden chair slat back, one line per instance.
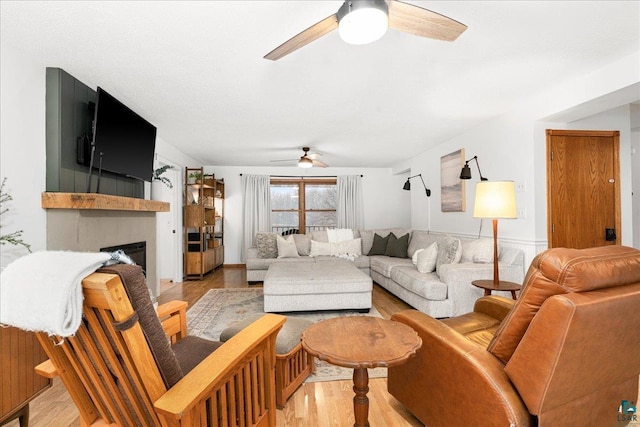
(110, 374)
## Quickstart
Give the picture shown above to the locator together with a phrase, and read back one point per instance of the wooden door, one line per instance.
(583, 190)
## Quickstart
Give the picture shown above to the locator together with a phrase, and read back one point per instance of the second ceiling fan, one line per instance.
(364, 21)
(307, 160)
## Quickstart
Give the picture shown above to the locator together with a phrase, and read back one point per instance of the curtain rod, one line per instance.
(303, 177)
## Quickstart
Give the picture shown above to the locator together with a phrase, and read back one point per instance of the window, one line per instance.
(303, 205)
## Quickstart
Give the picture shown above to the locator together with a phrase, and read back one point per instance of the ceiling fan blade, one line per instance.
(285, 160)
(422, 22)
(318, 163)
(312, 33)
(314, 156)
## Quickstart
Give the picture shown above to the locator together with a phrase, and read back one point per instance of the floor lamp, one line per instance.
(495, 199)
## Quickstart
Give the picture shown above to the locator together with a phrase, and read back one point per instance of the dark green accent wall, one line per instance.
(67, 118)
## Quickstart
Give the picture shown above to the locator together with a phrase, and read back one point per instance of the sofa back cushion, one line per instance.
(477, 250)
(561, 271)
(303, 243)
(421, 240)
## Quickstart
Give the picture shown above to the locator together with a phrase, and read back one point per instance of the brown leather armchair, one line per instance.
(567, 352)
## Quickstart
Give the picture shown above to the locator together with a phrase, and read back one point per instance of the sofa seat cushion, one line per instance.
(427, 285)
(264, 263)
(384, 264)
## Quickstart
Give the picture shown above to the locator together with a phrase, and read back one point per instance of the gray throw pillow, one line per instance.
(267, 245)
(379, 246)
(397, 246)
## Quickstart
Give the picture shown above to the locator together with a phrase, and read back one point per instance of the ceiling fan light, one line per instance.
(362, 22)
(305, 163)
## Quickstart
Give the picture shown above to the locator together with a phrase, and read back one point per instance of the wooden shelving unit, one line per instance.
(203, 223)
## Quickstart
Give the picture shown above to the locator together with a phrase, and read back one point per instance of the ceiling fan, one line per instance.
(307, 160)
(365, 21)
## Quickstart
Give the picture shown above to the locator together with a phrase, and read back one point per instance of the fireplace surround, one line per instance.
(89, 222)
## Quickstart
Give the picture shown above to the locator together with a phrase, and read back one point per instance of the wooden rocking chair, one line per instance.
(117, 375)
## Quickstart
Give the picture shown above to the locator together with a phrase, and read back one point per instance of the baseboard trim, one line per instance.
(234, 265)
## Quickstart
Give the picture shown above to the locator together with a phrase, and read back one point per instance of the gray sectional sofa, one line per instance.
(447, 291)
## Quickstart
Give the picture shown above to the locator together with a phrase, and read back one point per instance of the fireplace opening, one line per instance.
(136, 251)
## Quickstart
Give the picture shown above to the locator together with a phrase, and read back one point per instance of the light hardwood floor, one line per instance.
(314, 404)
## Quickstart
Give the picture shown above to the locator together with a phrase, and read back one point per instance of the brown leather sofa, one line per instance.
(566, 353)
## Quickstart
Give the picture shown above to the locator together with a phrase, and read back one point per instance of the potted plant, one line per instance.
(14, 238)
(195, 177)
(157, 180)
(157, 175)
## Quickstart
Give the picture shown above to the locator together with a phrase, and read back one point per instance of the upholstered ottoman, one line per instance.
(293, 363)
(318, 286)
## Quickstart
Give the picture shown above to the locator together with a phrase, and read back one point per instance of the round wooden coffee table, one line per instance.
(502, 285)
(361, 342)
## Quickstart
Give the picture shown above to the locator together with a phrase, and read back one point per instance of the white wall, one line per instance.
(513, 147)
(22, 151)
(635, 172)
(385, 203)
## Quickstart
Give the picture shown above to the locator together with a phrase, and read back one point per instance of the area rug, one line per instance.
(219, 308)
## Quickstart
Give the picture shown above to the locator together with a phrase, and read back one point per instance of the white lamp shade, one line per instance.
(495, 199)
(363, 25)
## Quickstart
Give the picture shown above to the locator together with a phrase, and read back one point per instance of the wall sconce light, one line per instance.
(465, 173)
(407, 185)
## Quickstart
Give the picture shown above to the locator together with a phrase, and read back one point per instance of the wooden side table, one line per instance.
(361, 342)
(503, 285)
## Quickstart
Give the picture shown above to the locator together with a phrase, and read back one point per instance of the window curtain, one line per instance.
(256, 208)
(350, 210)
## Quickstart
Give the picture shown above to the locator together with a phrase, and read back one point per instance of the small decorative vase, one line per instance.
(156, 190)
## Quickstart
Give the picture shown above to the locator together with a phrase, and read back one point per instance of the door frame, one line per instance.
(616, 172)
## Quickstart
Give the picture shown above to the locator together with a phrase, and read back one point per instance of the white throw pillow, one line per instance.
(287, 247)
(353, 247)
(426, 262)
(414, 258)
(319, 248)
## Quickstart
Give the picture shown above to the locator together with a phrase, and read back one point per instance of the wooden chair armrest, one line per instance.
(173, 316)
(215, 369)
(46, 369)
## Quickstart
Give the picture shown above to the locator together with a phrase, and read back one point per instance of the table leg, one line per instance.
(513, 294)
(487, 292)
(360, 400)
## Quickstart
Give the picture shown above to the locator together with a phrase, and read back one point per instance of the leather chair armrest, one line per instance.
(495, 306)
(448, 375)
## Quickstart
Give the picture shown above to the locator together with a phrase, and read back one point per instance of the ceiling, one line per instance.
(196, 70)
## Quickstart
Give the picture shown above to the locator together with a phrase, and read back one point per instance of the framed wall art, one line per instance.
(452, 196)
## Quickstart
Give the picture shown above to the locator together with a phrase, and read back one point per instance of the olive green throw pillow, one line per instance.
(397, 246)
(379, 246)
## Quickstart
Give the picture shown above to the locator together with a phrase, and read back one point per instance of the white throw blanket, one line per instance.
(43, 291)
(339, 235)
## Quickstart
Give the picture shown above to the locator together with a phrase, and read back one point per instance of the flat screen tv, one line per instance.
(124, 142)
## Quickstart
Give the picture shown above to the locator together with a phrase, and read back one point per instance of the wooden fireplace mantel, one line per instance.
(52, 200)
